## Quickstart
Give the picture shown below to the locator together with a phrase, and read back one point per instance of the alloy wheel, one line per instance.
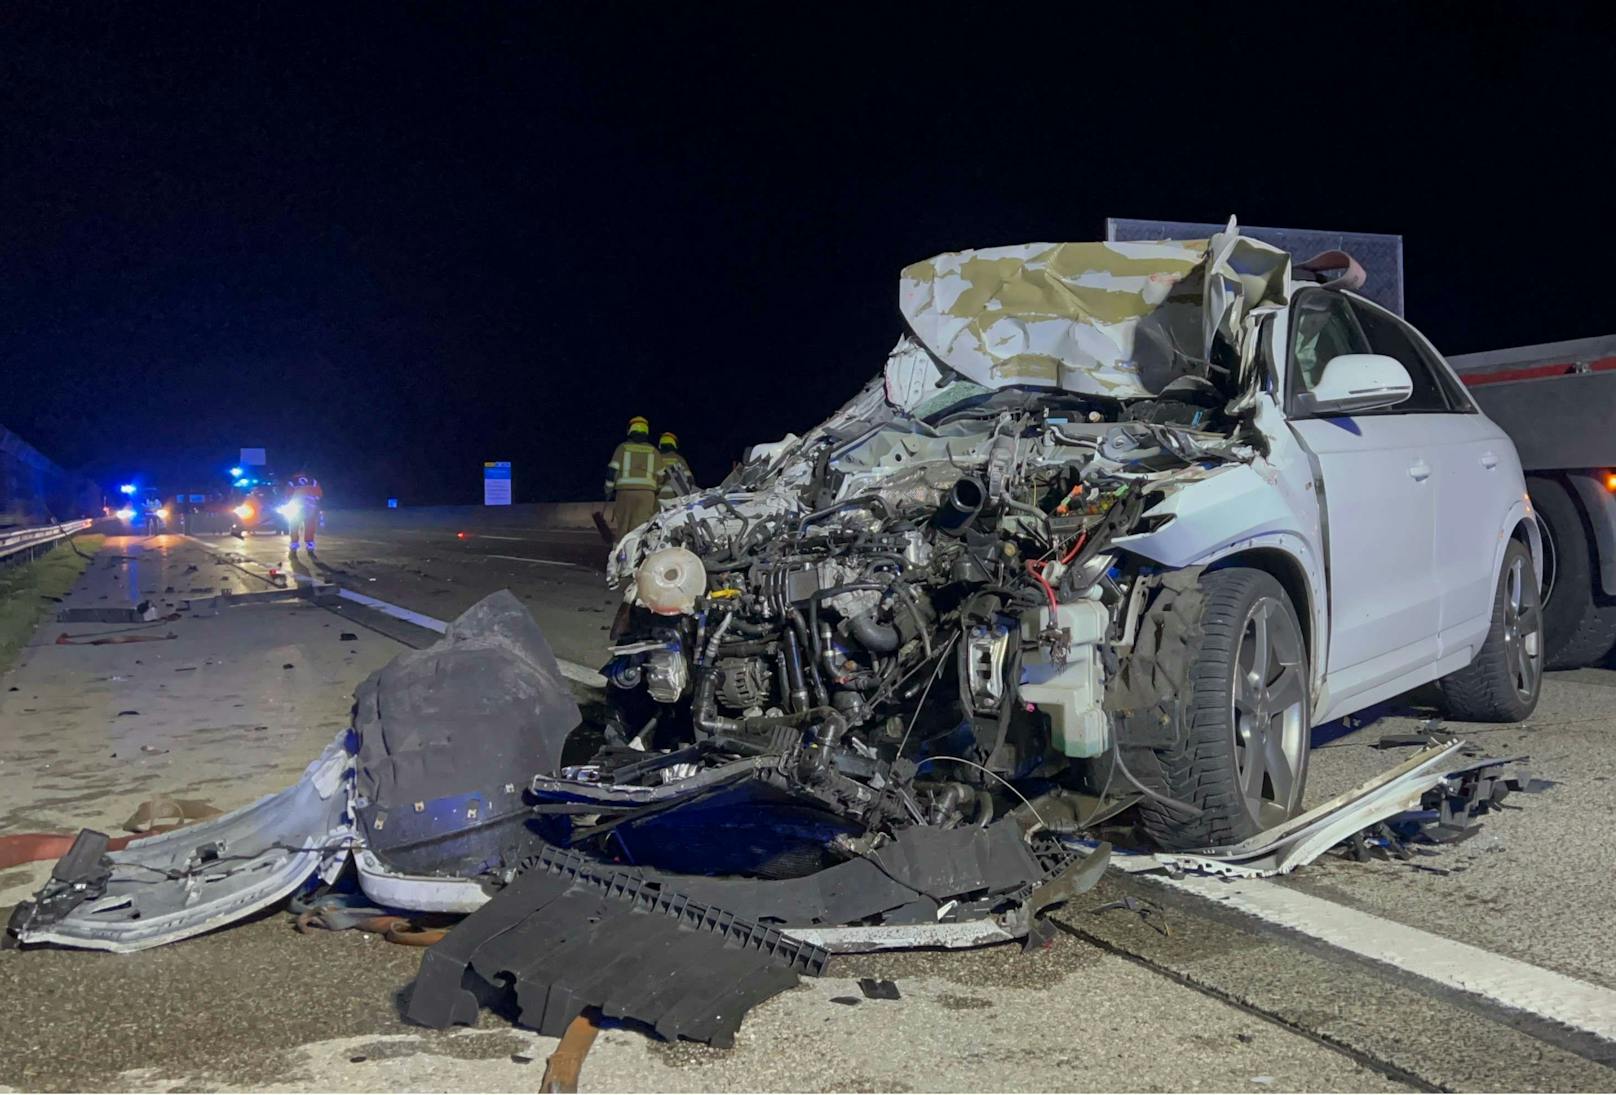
(1523, 630)
(1270, 713)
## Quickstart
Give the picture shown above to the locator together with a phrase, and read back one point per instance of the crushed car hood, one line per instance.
(1119, 320)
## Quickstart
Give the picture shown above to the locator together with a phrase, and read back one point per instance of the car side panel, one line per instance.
(1480, 492)
(1380, 509)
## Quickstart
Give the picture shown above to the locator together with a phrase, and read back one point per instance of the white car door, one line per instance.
(1474, 468)
(1379, 489)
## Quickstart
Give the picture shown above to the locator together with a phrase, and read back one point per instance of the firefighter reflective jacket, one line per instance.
(667, 461)
(632, 467)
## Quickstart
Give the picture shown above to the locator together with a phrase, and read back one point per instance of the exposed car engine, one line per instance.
(908, 616)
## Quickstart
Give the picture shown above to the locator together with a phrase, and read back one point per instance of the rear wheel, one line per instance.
(1579, 627)
(1503, 682)
(1235, 736)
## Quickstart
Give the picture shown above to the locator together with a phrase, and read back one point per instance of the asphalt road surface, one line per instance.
(1488, 965)
(441, 572)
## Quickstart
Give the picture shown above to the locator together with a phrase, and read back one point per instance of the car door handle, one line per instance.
(1489, 460)
(1419, 471)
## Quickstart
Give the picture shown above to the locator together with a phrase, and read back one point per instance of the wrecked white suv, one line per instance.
(1116, 527)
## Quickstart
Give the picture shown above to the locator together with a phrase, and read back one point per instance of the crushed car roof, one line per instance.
(1105, 319)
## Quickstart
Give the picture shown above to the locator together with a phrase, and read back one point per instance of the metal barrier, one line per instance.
(22, 544)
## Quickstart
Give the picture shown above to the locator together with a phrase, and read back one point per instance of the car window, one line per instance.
(1388, 336)
(1322, 328)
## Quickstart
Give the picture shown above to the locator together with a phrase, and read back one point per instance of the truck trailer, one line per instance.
(1557, 402)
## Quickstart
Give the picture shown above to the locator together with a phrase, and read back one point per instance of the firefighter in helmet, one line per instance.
(302, 510)
(631, 479)
(673, 471)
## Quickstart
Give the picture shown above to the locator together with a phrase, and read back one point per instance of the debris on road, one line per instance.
(1409, 741)
(1148, 911)
(168, 813)
(568, 934)
(650, 888)
(562, 1068)
(144, 612)
(64, 639)
(877, 989)
(1436, 792)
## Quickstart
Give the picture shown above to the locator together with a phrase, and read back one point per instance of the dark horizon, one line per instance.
(389, 243)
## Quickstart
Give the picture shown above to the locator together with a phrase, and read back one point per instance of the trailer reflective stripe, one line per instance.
(1537, 372)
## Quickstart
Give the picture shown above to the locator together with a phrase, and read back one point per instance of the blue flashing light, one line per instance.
(235, 473)
(242, 482)
(127, 488)
(392, 503)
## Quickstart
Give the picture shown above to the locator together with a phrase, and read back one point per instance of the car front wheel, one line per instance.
(1234, 730)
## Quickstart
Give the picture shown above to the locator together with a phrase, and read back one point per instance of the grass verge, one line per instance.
(26, 591)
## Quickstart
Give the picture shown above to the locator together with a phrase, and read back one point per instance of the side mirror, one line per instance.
(1357, 382)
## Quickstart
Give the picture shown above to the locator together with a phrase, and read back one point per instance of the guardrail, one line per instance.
(22, 543)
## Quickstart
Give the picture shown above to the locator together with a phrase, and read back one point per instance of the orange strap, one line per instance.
(562, 1069)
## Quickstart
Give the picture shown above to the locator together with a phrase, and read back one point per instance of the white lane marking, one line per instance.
(1506, 981)
(525, 559)
(569, 669)
(388, 609)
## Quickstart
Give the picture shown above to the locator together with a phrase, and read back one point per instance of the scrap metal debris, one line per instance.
(1435, 794)
(568, 934)
(1148, 911)
(144, 612)
(876, 989)
(64, 639)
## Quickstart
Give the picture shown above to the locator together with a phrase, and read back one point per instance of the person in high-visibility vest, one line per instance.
(302, 510)
(668, 458)
(631, 479)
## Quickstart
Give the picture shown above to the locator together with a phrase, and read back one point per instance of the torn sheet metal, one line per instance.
(569, 934)
(1108, 319)
(432, 778)
(1306, 837)
(870, 938)
(170, 887)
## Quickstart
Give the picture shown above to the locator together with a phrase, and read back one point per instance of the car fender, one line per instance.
(1520, 514)
(1240, 508)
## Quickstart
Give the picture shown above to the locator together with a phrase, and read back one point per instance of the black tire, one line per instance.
(1197, 740)
(1579, 627)
(1503, 682)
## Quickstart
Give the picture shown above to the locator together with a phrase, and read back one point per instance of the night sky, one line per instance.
(389, 243)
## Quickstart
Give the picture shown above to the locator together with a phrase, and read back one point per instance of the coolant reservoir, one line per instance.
(670, 580)
(1072, 693)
